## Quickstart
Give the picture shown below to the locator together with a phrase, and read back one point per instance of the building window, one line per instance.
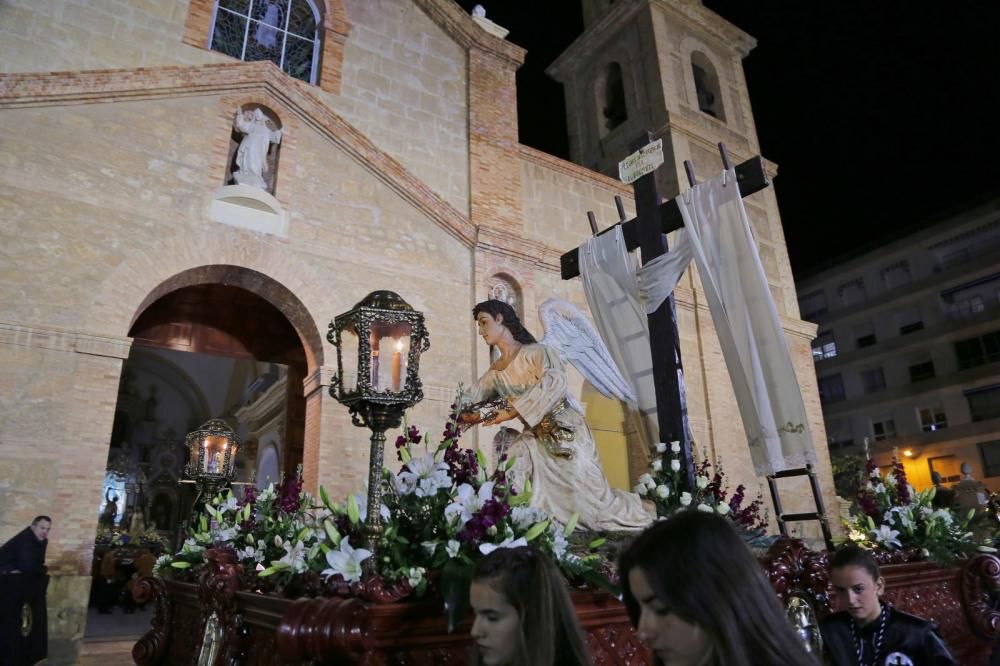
(813, 305)
(990, 452)
(883, 428)
(948, 467)
(979, 350)
(831, 389)
(824, 346)
(864, 334)
(910, 320)
(873, 380)
(282, 31)
(922, 371)
(984, 403)
(932, 419)
(835, 444)
(896, 275)
(706, 86)
(852, 292)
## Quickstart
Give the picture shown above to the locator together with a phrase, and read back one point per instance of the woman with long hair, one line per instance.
(866, 631)
(554, 448)
(698, 597)
(523, 613)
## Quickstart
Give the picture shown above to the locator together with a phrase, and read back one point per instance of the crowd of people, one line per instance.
(697, 597)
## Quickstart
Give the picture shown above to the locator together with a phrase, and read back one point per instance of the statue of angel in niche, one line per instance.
(554, 448)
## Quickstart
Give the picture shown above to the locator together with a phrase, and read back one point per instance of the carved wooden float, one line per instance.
(244, 628)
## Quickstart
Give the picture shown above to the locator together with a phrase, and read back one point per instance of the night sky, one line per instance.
(881, 115)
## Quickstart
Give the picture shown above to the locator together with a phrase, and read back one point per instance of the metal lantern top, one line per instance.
(212, 459)
(379, 343)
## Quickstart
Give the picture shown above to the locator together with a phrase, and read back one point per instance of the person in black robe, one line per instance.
(869, 632)
(25, 551)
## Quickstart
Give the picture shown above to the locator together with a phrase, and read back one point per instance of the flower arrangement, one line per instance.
(903, 524)
(441, 512)
(662, 486)
(115, 538)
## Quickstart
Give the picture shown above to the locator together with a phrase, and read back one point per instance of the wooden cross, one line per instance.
(647, 232)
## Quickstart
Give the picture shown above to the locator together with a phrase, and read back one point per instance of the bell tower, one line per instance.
(673, 68)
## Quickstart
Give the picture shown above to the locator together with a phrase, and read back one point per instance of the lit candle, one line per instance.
(396, 363)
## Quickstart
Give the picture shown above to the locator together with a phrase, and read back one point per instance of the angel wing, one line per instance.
(569, 331)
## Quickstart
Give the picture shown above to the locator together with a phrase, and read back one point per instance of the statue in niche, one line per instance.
(251, 156)
(107, 518)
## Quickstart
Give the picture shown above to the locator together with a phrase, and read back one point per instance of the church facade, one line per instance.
(391, 161)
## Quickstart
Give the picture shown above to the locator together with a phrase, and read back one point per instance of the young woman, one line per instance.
(523, 613)
(868, 632)
(697, 597)
(555, 448)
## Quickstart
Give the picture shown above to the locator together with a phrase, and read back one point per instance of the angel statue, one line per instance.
(554, 448)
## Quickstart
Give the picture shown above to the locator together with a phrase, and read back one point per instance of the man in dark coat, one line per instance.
(25, 552)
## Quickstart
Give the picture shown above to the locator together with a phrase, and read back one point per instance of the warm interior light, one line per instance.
(908, 453)
(399, 345)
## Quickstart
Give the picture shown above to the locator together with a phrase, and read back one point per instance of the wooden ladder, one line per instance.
(784, 518)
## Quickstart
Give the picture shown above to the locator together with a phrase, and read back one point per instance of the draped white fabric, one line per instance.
(608, 273)
(717, 235)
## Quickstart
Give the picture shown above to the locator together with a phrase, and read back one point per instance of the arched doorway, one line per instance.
(213, 342)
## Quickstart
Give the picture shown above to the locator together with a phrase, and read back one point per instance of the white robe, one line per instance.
(534, 383)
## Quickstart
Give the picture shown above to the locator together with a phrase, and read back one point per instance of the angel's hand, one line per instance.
(502, 415)
(469, 418)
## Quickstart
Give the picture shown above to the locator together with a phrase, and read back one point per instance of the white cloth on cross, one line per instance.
(608, 273)
(717, 236)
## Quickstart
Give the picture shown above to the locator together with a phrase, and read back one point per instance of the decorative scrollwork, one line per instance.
(321, 629)
(794, 570)
(152, 646)
(980, 590)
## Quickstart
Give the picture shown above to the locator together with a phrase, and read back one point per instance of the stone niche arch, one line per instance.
(707, 88)
(609, 93)
(504, 287)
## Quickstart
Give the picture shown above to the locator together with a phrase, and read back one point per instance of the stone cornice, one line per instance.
(576, 171)
(64, 340)
(465, 31)
(692, 13)
(106, 86)
(319, 379)
(525, 251)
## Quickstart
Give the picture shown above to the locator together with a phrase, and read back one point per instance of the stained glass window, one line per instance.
(282, 31)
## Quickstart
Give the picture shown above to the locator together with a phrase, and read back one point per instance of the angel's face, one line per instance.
(490, 329)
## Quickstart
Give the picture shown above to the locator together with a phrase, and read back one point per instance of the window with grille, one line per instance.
(932, 419)
(896, 275)
(852, 292)
(813, 305)
(922, 371)
(873, 380)
(831, 388)
(883, 428)
(984, 403)
(824, 346)
(282, 31)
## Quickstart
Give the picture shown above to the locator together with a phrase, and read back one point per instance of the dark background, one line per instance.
(881, 115)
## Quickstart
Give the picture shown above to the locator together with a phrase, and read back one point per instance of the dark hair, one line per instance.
(701, 569)
(39, 519)
(550, 632)
(851, 555)
(496, 308)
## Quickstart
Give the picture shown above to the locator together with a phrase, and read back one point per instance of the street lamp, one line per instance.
(379, 343)
(212, 452)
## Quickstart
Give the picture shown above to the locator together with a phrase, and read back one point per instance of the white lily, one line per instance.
(524, 517)
(701, 482)
(346, 561)
(675, 447)
(657, 465)
(509, 542)
(426, 475)
(467, 502)
(661, 447)
(886, 536)
(295, 556)
(452, 547)
(675, 465)
(640, 490)
(686, 498)
(663, 492)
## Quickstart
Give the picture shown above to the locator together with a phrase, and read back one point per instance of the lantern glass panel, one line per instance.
(349, 350)
(216, 447)
(390, 352)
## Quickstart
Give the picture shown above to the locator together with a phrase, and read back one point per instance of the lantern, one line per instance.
(212, 452)
(379, 343)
